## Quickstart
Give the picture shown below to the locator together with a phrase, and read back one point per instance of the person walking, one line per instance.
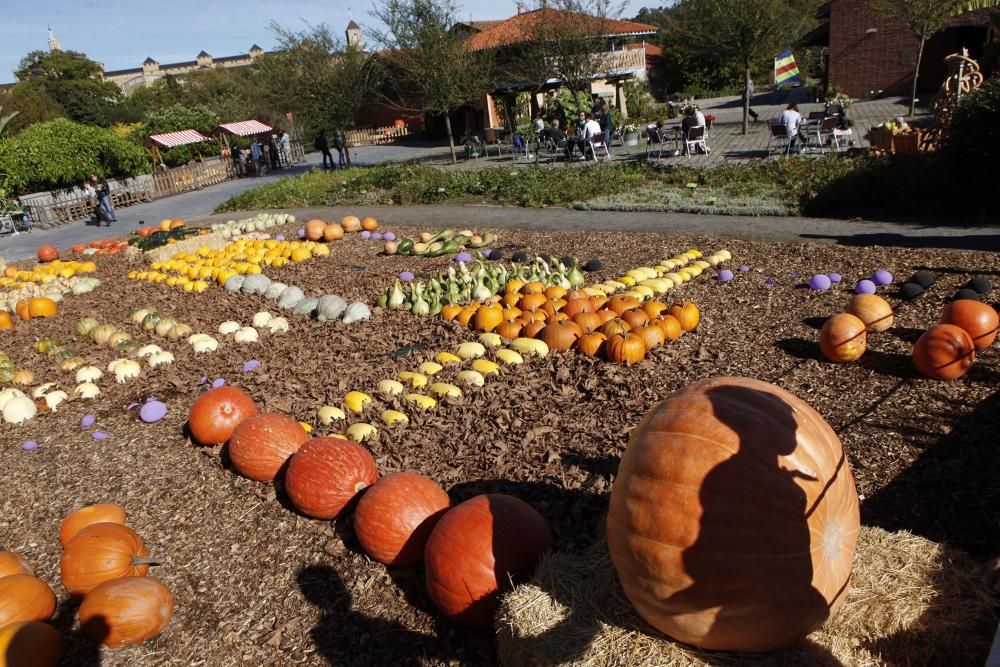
(322, 144)
(239, 162)
(106, 210)
(340, 144)
(285, 143)
(607, 123)
(749, 93)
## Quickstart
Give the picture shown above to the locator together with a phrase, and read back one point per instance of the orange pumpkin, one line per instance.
(843, 338)
(29, 643)
(511, 299)
(579, 305)
(47, 253)
(369, 223)
(350, 223)
(102, 552)
(769, 522)
(126, 611)
(449, 313)
(625, 349)
(466, 314)
(333, 232)
(554, 292)
(12, 562)
(560, 336)
(636, 317)
(21, 308)
(532, 329)
(215, 414)
(871, 309)
(606, 314)
(488, 317)
(6, 321)
(532, 301)
(511, 313)
(654, 309)
(620, 303)
(174, 224)
(686, 313)
(587, 321)
(326, 474)
(395, 517)
(944, 352)
(576, 293)
(513, 286)
(261, 445)
(42, 307)
(88, 516)
(652, 335)
(533, 287)
(24, 597)
(616, 326)
(509, 330)
(978, 319)
(534, 316)
(671, 327)
(553, 306)
(315, 229)
(591, 344)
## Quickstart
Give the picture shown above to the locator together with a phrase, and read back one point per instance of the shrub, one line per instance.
(61, 154)
(173, 119)
(973, 139)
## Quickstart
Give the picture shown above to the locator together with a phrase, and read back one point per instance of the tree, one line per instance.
(925, 18)
(173, 119)
(4, 120)
(740, 30)
(74, 82)
(430, 60)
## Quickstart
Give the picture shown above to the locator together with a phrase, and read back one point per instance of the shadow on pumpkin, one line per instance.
(77, 650)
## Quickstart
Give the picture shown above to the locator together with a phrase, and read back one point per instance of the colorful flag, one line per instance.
(786, 72)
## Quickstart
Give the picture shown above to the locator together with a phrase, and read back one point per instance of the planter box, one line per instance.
(631, 139)
(906, 144)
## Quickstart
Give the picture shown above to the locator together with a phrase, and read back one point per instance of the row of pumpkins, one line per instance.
(104, 564)
(620, 328)
(320, 230)
(399, 520)
(945, 351)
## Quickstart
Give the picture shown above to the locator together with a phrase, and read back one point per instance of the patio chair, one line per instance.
(655, 141)
(779, 133)
(597, 148)
(695, 138)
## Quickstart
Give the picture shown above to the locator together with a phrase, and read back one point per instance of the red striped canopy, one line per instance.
(181, 138)
(244, 128)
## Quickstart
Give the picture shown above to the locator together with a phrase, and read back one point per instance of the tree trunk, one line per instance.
(347, 151)
(916, 75)
(746, 97)
(451, 139)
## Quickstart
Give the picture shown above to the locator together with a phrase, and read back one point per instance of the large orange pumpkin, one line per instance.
(102, 552)
(12, 562)
(560, 336)
(333, 232)
(260, 446)
(625, 348)
(488, 317)
(29, 643)
(350, 223)
(671, 327)
(21, 308)
(24, 597)
(843, 338)
(592, 343)
(126, 611)
(6, 321)
(733, 517)
(215, 414)
(88, 516)
(395, 517)
(369, 224)
(871, 309)
(977, 318)
(944, 352)
(42, 307)
(579, 305)
(475, 551)
(47, 253)
(315, 229)
(686, 313)
(326, 474)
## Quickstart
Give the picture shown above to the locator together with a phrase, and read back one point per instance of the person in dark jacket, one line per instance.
(106, 210)
(322, 144)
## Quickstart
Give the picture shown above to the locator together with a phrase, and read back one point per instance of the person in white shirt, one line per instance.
(586, 130)
(791, 118)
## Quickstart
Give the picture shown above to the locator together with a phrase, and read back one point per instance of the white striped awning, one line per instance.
(244, 128)
(181, 138)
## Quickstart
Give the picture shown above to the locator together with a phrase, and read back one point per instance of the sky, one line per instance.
(121, 34)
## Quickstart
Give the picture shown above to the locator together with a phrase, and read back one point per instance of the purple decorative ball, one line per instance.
(99, 435)
(794, 274)
(463, 258)
(389, 236)
(882, 277)
(744, 269)
(725, 275)
(301, 233)
(279, 237)
(218, 382)
(770, 282)
(153, 411)
(29, 445)
(864, 287)
(366, 234)
(251, 366)
(87, 421)
(834, 277)
(406, 275)
(819, 282)
(377, 236)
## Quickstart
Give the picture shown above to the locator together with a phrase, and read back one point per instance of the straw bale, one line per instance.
(911, 602)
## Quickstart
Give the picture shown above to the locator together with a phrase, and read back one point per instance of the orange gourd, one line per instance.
(350, 223)
(509, 330)
(620, 303)
(587, 321)
(606, 314)
(29, 643)
(511, 299)
(671, 327)
(978, 319)
(625, 349)
(369, 224)
(513, 286)
(554, 292)
(652, 335)
(24, 597)
(449, 313)
(88, 516)
(261, 445)
(477, 549)
(511, 313)
(560, 336)
(215, 414)
(944, 352)
(533, 287)
(102, 552)
(686, 313)
(326, 474)
(333, 232)
(871, 309)
(6, 321)
(126, 611)
(843, 338)
(654, 309)
(21, 308)
(532, 301)
(614, 327)
(636, 317)
(579, 305)
(733, 517)
(532, 329)
(488, 317)
(395, 517)
(591, 344)
(315, 229)
(12, 562)
(466, 314)
(42, 307)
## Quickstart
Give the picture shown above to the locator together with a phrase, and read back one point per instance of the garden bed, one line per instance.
(257, 583)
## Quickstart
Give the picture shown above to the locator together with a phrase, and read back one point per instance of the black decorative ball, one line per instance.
(923, 278)
(910, 291)
(495, 255)
(593, 265)
(567, 260)
(966, 293)
(981, 285)
(520, 256)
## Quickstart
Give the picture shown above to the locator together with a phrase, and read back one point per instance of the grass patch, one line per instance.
(711, 200)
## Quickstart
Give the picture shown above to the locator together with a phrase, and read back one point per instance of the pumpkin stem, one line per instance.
(145, 561)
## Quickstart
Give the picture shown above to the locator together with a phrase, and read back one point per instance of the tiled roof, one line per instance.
(520, 28)
(652, 50)
(353, 26)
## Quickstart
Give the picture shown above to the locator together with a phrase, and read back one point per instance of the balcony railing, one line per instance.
(621, 61)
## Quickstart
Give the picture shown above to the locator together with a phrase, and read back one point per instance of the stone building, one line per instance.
(151, 70)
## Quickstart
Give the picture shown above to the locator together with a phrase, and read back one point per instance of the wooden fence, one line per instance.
(374, 136)
(192, 176)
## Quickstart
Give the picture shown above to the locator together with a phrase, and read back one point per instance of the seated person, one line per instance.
(586, 130)
(554, 133)
(693, 117)
(791, 119)
(838, 111)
